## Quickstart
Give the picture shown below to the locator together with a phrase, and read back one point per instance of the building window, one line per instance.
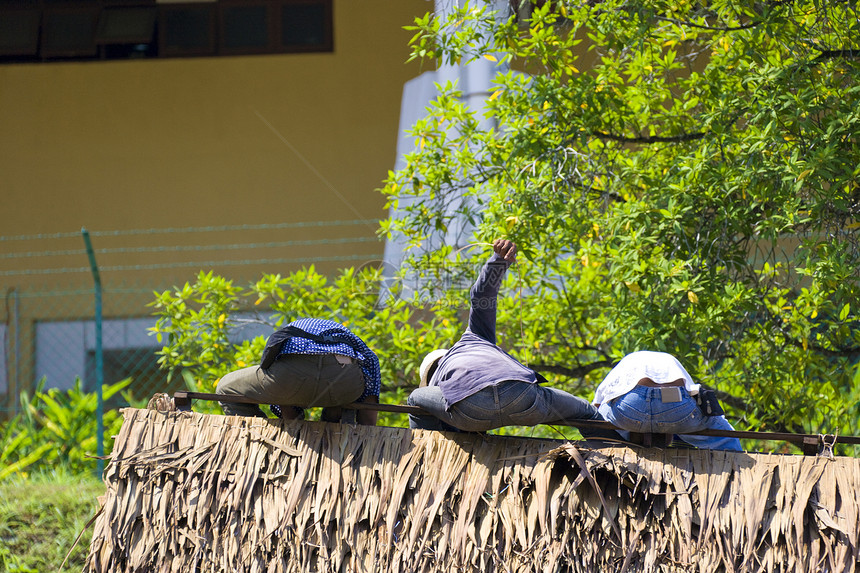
(69, 31)
(305, 27)
(126, 31)
(57, 30)
(19, 31)
(186, 30)
(245, 27)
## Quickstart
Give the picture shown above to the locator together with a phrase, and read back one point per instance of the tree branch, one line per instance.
(577, 372)
(832, 54)
(652, 138)
(849, 353)
(730, 399)
(752, 24)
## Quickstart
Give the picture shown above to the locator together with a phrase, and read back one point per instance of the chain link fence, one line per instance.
(49, 333)
(48, 321)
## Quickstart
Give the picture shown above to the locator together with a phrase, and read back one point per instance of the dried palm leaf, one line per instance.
(200, 493)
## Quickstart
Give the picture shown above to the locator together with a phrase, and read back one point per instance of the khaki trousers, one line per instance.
(303, 380)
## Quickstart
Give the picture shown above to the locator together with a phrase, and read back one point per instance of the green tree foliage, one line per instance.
(200, 324)
(681, 176)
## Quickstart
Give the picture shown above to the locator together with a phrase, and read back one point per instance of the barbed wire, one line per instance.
(186, 264)
(192, 248)
(173, 230)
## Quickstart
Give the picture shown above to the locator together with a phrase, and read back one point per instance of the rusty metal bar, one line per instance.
(809, 443)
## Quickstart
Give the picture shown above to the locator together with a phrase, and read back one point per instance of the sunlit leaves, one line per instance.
(683, 177)
(56, 430)
(203, 323)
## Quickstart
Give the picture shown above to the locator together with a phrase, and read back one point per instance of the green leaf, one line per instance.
(24, 462)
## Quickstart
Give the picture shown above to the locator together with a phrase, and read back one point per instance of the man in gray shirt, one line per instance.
(476, 386)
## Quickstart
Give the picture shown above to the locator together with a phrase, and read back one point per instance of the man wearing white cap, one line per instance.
(476, 386)
(652, 393)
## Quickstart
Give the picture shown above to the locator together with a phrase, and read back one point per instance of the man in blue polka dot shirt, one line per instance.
(310, 362)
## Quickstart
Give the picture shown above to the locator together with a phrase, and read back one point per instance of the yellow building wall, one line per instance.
(164, 143)
(178, 146)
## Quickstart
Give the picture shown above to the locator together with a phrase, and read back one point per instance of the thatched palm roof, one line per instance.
(191, 492)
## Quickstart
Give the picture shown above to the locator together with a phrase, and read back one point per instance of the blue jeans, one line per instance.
(642, 410)
(509, 403)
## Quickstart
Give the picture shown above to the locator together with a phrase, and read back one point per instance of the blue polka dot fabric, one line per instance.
(354, 347)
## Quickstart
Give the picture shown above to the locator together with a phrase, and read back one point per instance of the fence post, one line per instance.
(17, 355)
(99, 359)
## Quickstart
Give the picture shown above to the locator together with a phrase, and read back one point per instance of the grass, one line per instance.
(40, 518)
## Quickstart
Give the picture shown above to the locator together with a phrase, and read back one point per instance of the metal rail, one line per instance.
(811, 444)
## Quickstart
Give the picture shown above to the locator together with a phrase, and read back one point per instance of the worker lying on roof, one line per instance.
(652, 393)
(310, 362)
(476, 386)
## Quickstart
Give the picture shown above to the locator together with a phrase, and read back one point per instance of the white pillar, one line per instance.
(475, 81)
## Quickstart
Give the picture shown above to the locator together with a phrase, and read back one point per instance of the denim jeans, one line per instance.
(509, 403)
(304, 380)
(642, 410)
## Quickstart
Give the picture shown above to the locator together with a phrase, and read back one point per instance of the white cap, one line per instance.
(428, 362)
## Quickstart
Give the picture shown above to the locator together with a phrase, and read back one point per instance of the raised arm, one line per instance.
(482, 314)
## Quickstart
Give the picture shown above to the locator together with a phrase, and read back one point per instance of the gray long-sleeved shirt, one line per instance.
(475, 362)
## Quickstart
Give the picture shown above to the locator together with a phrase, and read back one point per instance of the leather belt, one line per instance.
(651, 384)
